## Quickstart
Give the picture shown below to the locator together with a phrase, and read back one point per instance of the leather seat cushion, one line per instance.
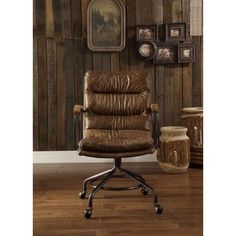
(115, 154)
(111, 141)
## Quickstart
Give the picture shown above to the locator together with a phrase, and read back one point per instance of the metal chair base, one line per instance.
(105, 176)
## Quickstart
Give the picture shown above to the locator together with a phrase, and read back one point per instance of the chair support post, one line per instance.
(105, 176)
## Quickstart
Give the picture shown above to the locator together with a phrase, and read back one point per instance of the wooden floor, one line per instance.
(58, 210)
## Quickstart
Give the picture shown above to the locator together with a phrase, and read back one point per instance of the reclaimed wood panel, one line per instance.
(115, 61)
(187, 86)
(160, 91)
(144, 15)
(106, 61)
(57, 13)
(169, 72)
(66, 16)
(131, 23)
(61, 97)
(97, 60)
(196, 17)
(76, 18)
(34, 18)
(52, 93)
(82, 63)
(35, 95)
(169, 95)
(201, 71)
(84, 6)
(60, 28)
(187, 68)
(42, 94)
(79, 69)
(178, 94)
(40, 17)
(177, 68)
(69, 78)
(196, 73)
(49, 19)
(159, 78)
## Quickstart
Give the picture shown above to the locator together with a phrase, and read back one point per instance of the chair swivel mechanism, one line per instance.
(118, 122)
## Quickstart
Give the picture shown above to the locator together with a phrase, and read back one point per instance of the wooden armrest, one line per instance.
(154, 107)
(78, 109)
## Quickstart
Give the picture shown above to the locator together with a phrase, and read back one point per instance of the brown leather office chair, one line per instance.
(118, 123)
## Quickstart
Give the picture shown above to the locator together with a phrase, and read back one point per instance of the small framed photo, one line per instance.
(186, 53)
(148, 32)
(175, 32)
(165, 53)
(146, 49)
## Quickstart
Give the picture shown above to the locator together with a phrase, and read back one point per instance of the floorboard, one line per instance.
(58, 210)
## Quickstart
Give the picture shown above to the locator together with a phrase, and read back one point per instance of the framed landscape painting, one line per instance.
(106, 25)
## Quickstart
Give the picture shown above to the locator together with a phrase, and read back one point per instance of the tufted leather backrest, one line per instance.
(117, 100)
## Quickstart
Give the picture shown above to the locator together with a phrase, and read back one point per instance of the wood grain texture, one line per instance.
(106, 61)
(76, 24)
(178, 75)
(57, 13)
(196, 17)
(84, 6)
(35, 95)
(168, 72)
(115, 61)
(169, 95)
(58, 210)
(61, 97)
(201, 70)
(186, 17)
(131, 23)
(160, 91)
(63, 21)
(196, 76)
(66, 16)
(187, 69)
(34, 18)
(42, 94)
(187, 85)
(178, 93)
(52, 91)
(40, 17)
(159, 78)
(80, 62)
(49, 19)
(157, 11)
(69, 77)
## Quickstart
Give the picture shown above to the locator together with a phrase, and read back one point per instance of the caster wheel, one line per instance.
(82, 195)
(158, 209)
(144, 191)
(88, 213)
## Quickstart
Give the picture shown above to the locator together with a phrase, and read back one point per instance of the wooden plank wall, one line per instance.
(61, 58)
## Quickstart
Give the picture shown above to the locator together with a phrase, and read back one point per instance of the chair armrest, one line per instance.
(78, 109)
(78, 123)
(154, 107)
(156, 127)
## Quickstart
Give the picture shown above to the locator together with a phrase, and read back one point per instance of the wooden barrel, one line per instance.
(173, 154)
(192, 118)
